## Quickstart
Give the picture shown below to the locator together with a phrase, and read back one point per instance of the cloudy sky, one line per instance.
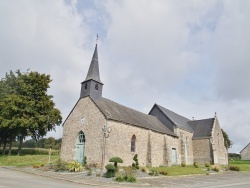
(191, 56)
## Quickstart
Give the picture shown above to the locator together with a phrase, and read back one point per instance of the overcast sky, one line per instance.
(191, 56)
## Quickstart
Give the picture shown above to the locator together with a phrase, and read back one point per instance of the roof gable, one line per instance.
(178, 120)
(245, 147)
(202, 128)
(117, 112)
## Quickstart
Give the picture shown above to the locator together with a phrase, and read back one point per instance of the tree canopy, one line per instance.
(25, 107)
(227, 142)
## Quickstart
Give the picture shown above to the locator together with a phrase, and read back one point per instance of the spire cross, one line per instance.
(97, 37)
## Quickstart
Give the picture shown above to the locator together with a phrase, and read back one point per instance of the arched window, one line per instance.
(81, 137)
(133, 143)
(86, 86)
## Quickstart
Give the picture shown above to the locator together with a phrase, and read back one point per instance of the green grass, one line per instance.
(179, 170)
(244, 165)
(190, 169)
(26, 160)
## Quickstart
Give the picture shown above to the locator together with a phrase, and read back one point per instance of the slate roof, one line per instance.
(117, 112)
(202, 128)
(93, 73)
(178, 120)
(245, 147)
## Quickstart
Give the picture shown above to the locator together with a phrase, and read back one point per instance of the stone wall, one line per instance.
(152, 147)
(202, 150)
(185, 145)
(86, 117)
(245, 153)
(218, 147)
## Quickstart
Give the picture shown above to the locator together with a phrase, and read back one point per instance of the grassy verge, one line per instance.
(26, 160)
(243, 164)
(179, 170)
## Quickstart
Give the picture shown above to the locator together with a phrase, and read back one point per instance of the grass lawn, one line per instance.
(179, 170)
(243, 164)
(26, 160)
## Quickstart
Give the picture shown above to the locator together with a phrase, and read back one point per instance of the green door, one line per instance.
(79, 151)
(174, 156)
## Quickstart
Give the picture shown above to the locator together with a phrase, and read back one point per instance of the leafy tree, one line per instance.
(25, 107)
(227, 142)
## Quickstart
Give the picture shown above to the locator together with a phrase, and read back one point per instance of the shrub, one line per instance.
(135, 164)
(75, 166)
(84, 161)
(196, 164)
(216, 168)
(207, 165)
(164, 173)
(153, 173)
(234, 168)
(89, 172)
(116, 160)
(60, 165)
(33, 151)
(128, 175)
(110, 170)
(183, 164)
(144, 169)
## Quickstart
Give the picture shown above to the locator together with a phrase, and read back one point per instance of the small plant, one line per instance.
(207, 173)
(110, 170)
(98, 175)
(36, 166)
(60, 165)
(144, 169)
(207, 165)
(164, 173)
(116, 160)
(153, 173)
(234, 168)
(196, 164)
(75, 166)
(135, 164)
(128, 176)
(183, 164)
(84, 161)
(89, 172)
(216, 168)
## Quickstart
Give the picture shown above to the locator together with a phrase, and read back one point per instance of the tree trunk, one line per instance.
(10, 147)
(4, 148)
(20, 146)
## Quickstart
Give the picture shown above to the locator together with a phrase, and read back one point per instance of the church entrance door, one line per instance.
(174, 156)
(80, 145)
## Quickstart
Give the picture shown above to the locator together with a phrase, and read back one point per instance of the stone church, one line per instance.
(100, 129)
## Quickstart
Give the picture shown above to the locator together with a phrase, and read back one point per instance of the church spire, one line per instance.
(93, 73)
(92, 85)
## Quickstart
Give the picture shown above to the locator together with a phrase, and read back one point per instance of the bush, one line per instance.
(216, 168)
(33, 151)
(84, 161)
(128, 175)
(135, 164)
(60, 165)
(110, 170)
(75, 166)
(116, 160)
(183, 164)
(196, 164)
(144, 169)
(164, 173)
(153, 173)
(234, 168)
(207, 165)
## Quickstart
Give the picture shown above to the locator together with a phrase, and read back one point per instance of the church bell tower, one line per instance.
(92, 85)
